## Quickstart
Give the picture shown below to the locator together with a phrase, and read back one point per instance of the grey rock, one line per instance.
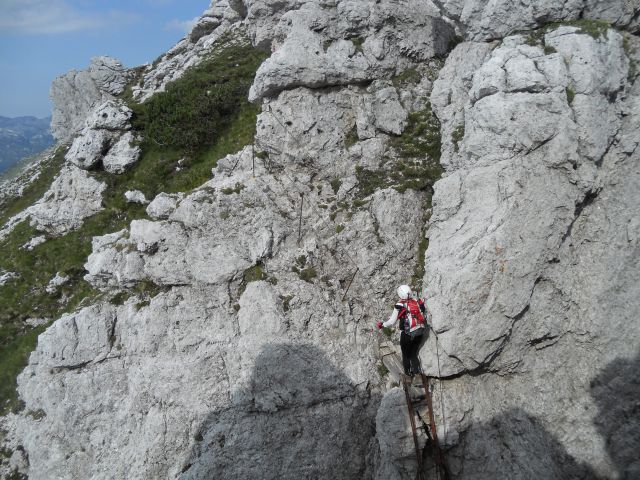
(57, 281)
(6, 277)
(487, 20)
(34, 242)
(105, 140)
(122, 155)
(89, 148)
(319, 46)
(75, 94)
(247, 351)
(395, 437)
(72, 197)
(515, 277)
(111, 115)
(249, 345)
(76, 339)
(136, 196)
(163, 205)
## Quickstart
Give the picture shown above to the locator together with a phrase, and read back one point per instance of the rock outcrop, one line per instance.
(75, 94)
(106, 140)
(316, 46)
(73, 196)
(482, 20)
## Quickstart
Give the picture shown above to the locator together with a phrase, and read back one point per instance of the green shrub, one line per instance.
(352, 137)
(335, 185)
(383, 371)
(194, 110)
(308, 274)
(357, 42)
(235, 189)
(421, 136)
(411, 75)
(286, 301)
(457, 135)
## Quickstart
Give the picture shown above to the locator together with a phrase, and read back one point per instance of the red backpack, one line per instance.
(411, 317)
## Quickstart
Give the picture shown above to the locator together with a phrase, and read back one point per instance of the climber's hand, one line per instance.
(379, 325)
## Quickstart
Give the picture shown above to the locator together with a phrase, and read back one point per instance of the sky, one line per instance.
(42, 39)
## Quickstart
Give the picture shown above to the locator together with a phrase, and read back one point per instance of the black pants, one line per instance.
(410, 347)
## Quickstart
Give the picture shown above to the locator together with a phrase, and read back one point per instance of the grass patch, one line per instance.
(235, 189)
(195, 109)
(630, 50)
(571, 94)
(548, 50)
(286, 301)
(418, 166)
(594, 28)
(339, 228)
(358, 42)
(351, 138)
(457, 135)
(409, 76)
(308, 274)
(388, 332)
(383, 371)
(13, 359)
(421, 136)
(251, 274)
(336, 183)
(418, 272)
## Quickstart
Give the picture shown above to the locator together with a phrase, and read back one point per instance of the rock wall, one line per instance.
(241, 344)
(532, 268)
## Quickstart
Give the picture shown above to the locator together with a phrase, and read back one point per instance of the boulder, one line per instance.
(136, 196)
(122, 155)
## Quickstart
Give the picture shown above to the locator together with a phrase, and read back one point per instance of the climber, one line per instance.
(410, 313)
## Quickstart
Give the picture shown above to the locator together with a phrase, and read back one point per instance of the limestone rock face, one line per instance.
(255, 333)
(318, 46)
(73, 196)
(105, 141)
(487, 20)
(528, 240)
(75, 94)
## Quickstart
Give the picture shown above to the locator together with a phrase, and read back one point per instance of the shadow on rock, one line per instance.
(516, 445)
(616, 391)
(300, 418)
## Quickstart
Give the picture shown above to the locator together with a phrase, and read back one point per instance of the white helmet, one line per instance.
(404, 291)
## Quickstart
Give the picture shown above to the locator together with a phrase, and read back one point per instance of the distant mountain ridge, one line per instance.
(21, 137)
